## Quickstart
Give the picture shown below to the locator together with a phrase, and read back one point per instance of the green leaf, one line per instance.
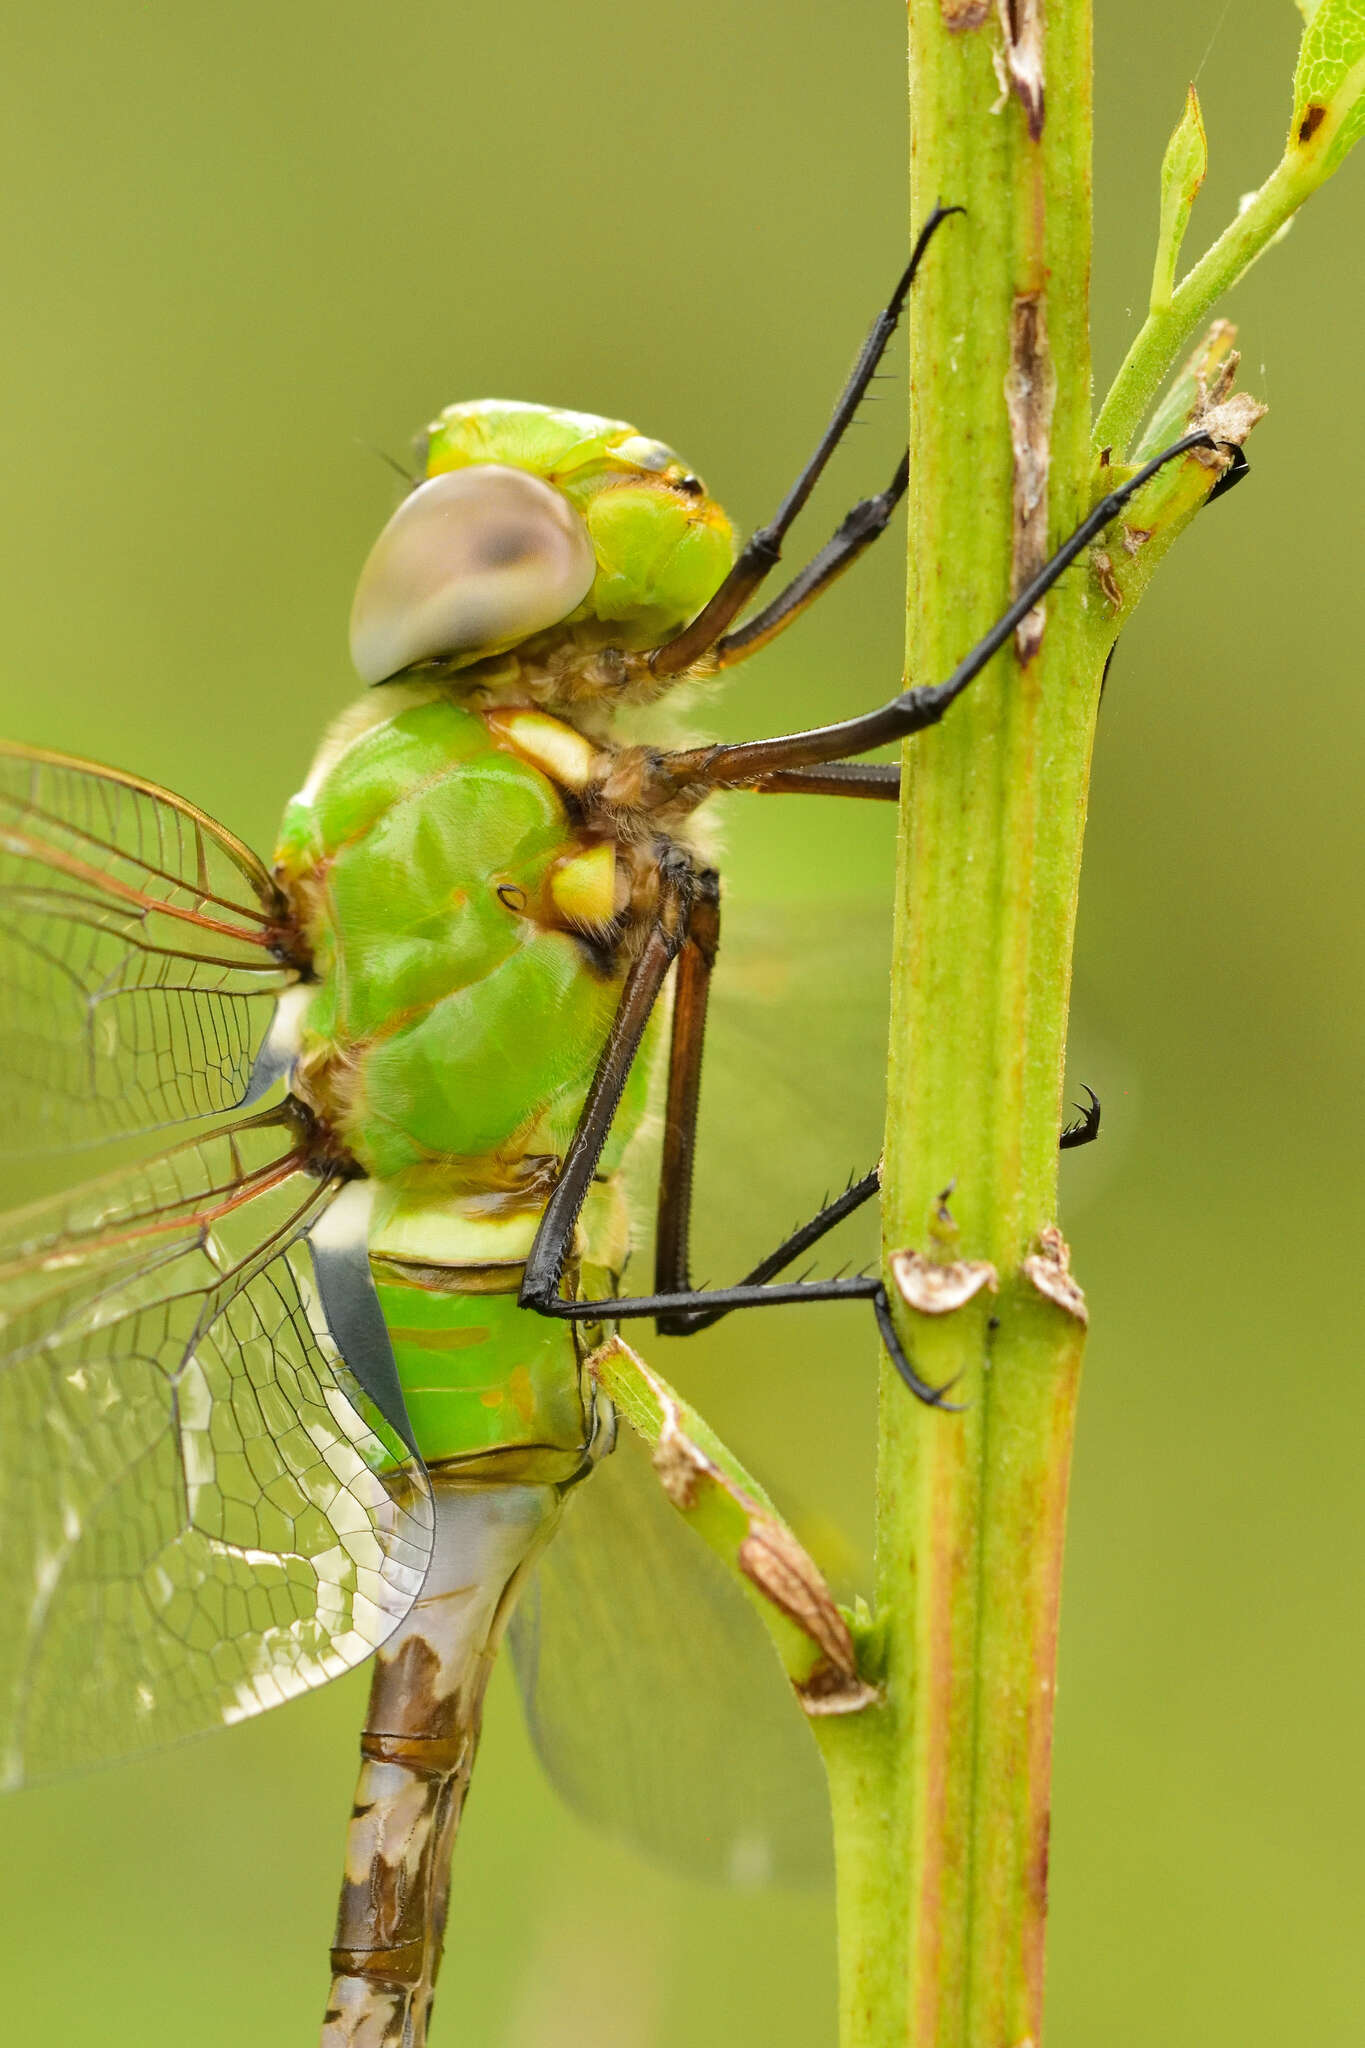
(1308, 8)
(1182, 173)
(1329, 85)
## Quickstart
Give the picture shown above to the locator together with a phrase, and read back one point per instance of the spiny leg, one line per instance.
(696, 963)
(763, 549)
(748, 1294)
(1086, 1128)
(691, 993)
(735, 766)
(672, 1269)
(864, 778)
(679, 1323)
(549, 1249)
(877, 779)
(746, 763)
(672, 1238)
(1083, 1131)
(680, 1308)
(545, 1264)
(860, 527)
(864, 524)
(685, 895)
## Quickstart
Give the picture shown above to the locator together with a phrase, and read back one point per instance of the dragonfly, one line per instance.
(319, 1382)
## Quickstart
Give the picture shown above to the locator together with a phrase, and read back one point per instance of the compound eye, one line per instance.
(471, 562)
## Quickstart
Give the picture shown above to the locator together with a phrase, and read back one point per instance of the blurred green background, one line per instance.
(244, 247)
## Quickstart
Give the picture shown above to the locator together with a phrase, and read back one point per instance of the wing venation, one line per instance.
(200, 1512)
(139, 954)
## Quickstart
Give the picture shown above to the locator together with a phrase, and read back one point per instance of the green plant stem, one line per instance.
(941, 1796)
(1165, 334)
(940, 1791)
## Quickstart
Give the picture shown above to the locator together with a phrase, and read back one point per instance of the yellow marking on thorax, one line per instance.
(559, 751)
(521, 1393)
(441, 1340)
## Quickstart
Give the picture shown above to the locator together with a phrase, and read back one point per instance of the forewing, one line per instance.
(137, 974)
(200, 1513)
(654, 1698)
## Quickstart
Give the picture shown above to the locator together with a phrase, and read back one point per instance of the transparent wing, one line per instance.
(793, 1083)
(794, 1077)
(652, 1695)
(796, 1044)
(136, 966)
(200, 1514)
(654, 1698)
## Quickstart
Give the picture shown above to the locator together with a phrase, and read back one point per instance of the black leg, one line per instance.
(763, 549)
(678, 1323)
(852, 778)
(1232, 475)
(688, 925)
(864, 524)
(748, 762)
(1083, 1131)
(720, 1301)
(691, 991)
(545, 1264)
(879, 779)
(674, 1303)
(1086, 1128)
(672, 1239)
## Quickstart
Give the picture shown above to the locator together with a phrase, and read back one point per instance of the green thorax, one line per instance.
(458, 1011)
(459, 925)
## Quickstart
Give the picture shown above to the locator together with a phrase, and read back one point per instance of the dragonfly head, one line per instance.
(529, 518)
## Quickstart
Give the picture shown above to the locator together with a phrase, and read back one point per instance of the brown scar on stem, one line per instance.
(1049, 1270)
(934, 1288)
(1030, 392)
(1228, 423)
(1313, 117)
(963, 14)
(1040, 1860)
(1103, 566)
(776, 1565)
(1213, 388)
(1226, 416)
(829, 1691)
(680, 1466)
(773, 1561)
(1019, 64)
